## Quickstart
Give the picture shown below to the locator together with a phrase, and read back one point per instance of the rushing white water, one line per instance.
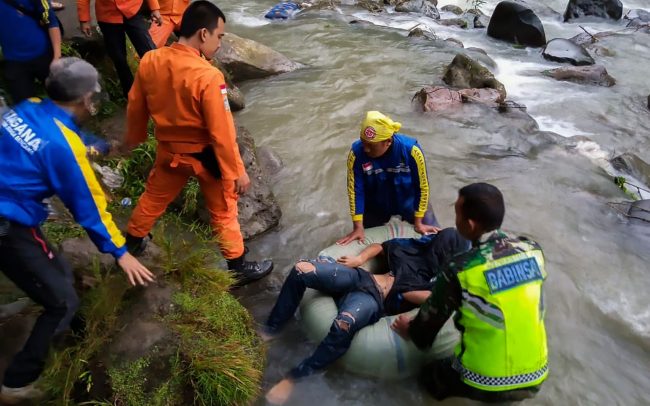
(598, 319)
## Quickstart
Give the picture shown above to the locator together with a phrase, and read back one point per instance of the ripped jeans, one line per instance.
(357, 307)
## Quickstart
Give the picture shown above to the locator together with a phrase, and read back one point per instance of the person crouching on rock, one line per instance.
(41, 155)
(362, 298)
(387, 176)
(187, 99)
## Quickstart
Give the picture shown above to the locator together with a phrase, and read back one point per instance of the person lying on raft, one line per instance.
(285, 10)
(387, 176)
(362, 298)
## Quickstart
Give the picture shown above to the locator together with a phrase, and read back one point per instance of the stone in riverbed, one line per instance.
(564, 50)
(450, 8)
(436, 98)
(476, 19)
(451, 22)
(424, 7)
(516, 23)
(247, 59)
(589, 75)
(597, 8)
(632, 165)
(464, 72)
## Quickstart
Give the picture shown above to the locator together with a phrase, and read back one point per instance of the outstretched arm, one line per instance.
(366, 255)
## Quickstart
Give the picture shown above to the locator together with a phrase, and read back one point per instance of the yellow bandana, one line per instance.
(377, 127)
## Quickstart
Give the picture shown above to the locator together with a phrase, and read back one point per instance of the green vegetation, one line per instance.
(621, 182)
(476, 4)
(60, 230)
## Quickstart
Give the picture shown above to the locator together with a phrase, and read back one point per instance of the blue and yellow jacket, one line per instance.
(41, 155)
(395, 183)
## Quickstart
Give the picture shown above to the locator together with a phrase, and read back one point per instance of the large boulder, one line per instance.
(632, 165)
(564, 50)
(514, 22)
(247, 59)
(457, 22)
(590, 75)
(424, 7)
(596, 8)
(475, 18)
(436, 98)
(466, 73)
(450, 8)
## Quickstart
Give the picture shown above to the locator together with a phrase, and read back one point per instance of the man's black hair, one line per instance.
(200, 14)
(484, 204)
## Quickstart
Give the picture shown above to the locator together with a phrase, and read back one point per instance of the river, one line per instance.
(598, 316)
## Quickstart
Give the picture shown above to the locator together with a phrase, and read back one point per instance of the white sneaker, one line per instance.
(12, 396)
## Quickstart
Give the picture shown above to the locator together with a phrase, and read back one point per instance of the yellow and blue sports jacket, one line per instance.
(41, 155)
(395, 183)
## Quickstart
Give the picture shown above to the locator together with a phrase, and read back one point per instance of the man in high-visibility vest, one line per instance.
(496, 291)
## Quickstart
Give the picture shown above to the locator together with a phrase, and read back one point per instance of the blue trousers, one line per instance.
(357, 309)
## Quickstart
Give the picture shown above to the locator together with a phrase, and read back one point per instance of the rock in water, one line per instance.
(424, 7)
(596, 8)
(514, 22)
(465, 72)
(458, 22)
(632, 165)
(438, 98)
(590, 75)
(452, 9)
(564, 50)
(648, 102)
(246, 59)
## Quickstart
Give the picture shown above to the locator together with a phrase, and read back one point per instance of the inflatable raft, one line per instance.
(376, 350)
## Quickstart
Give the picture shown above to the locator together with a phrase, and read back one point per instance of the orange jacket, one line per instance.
(186, 97)
(173, 7)
(112, 11)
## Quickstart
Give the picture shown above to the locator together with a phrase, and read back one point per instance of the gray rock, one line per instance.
(458, 22)
(269, 161)
(454, 42)
(450, 8)
(639, 211)
(597, 8)
(436, 98)
(374, 6)
(424, 7)
(476, 19)
(632, 165)
(638, 14)
(591, 75)
(11, 309)
(481, 56)
(236, 98)
(418, 32)
(465, 72)
(516, 23)
(564, 50)
(247, 59)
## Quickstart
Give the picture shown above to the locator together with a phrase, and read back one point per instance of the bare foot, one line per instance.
(279, 394)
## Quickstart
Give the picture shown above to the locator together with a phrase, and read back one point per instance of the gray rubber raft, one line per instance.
(376, 350)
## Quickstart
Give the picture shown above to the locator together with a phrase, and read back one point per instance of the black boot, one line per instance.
(137, 245)
(249, 271)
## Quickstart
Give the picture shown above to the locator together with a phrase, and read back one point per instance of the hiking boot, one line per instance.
(249, 271)
(137, 245)
(14, 396)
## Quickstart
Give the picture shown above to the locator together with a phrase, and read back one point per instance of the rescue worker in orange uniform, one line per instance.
(171, 13)
(185, 95)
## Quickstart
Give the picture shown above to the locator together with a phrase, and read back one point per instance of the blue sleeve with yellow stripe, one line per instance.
(421, 183)
(74, 181)
(355, 187)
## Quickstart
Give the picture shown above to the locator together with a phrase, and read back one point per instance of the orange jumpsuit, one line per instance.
(186, 98)
(171, 12)
(112, 11)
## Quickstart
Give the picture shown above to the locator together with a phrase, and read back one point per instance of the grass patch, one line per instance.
(61, 230)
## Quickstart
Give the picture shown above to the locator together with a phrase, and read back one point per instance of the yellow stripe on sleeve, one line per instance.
(79, 152)
(417, 155)
(351, 193)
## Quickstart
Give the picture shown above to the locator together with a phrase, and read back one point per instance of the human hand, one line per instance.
(352, 261)
(242, 184)
(357, 233)
(156, 17)
(85, 28)
(424, 229)
(135, 271)
(401, 326)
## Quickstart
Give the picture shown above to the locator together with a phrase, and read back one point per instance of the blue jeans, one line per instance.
(357, 308)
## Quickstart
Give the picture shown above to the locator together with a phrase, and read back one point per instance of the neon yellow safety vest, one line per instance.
(501, 318)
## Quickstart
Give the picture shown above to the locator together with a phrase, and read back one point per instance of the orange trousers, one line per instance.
(166, 180)
(160, 33)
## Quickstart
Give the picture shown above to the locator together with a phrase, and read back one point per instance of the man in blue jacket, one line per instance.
(387, 176)
(41, 155)
(30, 38)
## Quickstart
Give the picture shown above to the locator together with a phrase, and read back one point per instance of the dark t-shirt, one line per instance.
(414, 263)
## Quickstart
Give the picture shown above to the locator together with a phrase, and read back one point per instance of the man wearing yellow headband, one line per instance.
(387, 176)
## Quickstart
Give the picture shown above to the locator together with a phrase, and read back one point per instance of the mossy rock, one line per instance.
(465, 72)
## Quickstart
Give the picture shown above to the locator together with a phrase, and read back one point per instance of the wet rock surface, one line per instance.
(516, 23)
(466, 73)
(436, 98)
(590, 75)
(450, 8)
(596, 8)
(566, 51)
(424, 7)
(631, 164)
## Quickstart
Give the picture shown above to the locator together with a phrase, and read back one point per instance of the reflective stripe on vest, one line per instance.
(503, 343)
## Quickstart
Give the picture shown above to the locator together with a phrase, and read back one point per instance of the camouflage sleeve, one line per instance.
(444, 300)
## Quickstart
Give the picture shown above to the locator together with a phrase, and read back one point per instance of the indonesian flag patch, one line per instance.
(224, 93)
(367, 167)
